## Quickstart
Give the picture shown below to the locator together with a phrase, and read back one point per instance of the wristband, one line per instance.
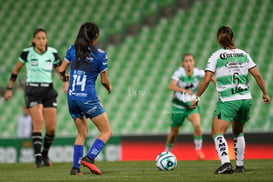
(13, 77)
(197, 99)
(65, 79)
(9, 88)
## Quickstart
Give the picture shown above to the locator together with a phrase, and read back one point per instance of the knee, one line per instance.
(108, 133)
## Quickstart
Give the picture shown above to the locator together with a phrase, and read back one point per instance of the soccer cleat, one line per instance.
(239, 169)
(75, 171)
(46, 161)
(38, 162)
(200, 154)
(89, 163)
(224, 169)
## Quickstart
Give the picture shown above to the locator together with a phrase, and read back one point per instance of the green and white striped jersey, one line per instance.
(187, 82)
(230, 67)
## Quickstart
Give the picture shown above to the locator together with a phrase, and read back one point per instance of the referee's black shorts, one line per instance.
(40, 93)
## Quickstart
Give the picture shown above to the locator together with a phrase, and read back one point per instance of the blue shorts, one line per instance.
(90, 109)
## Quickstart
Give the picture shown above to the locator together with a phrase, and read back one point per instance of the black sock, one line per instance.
(37, 145)
(47, 143)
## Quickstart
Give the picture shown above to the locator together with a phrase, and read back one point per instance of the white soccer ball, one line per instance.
(166, 161)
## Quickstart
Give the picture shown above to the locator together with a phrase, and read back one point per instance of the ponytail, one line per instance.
(225, 37)
(84, 41)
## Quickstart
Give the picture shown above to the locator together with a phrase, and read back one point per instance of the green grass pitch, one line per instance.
(144, 171)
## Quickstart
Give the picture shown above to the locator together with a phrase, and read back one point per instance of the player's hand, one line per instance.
(193, 104)
(65, 87)
(8, 95)
(187, 92)
(266, 99)
(110, 89)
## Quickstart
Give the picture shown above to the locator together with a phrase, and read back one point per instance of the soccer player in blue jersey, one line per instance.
(86, 63)
(40, 95)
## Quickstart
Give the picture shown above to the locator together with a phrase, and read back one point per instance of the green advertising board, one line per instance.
(14, 150)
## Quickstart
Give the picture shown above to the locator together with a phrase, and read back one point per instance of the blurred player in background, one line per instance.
(231, 67)
(86, 63)
(40, 95)
(24, 124)
(184, 83)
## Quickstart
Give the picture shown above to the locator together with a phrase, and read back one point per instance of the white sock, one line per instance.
(198, 142)
(239, 149)
(221, 148)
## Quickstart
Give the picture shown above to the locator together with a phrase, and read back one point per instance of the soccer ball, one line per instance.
(166, 161)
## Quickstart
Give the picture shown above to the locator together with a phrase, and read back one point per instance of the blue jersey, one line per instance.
(84, 73)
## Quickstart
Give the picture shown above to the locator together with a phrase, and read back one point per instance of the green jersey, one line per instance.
(187, 82)
(40, 66)
(230, 67)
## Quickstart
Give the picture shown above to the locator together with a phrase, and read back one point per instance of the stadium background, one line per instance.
(144, 40)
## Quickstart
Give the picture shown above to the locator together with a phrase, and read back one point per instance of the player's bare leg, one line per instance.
(194, 118)
(102, 123)
(171, 138)
(82, 128)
